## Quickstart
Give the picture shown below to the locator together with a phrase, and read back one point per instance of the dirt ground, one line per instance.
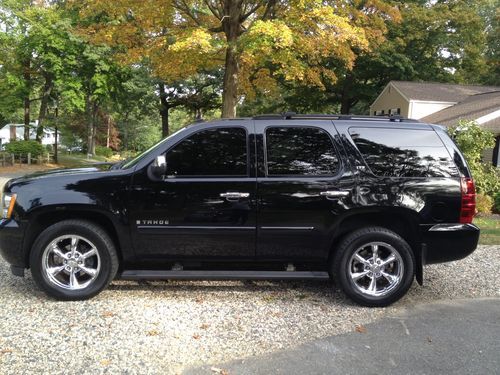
(24, 169)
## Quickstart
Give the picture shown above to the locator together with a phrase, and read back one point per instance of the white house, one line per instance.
(444, 104)
(16, 131)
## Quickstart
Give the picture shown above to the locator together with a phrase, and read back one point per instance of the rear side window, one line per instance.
(403, 152)
(300, 151)
(211, 152)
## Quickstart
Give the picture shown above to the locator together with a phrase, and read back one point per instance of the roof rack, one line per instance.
(295, 116)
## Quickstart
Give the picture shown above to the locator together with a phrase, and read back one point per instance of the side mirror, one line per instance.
(158, 168)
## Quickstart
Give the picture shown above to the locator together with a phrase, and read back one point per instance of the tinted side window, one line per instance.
(211, 152)
(403, 152)
(300, 151)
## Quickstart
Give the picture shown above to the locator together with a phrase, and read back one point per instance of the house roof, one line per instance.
(472, 108)
(439, 92)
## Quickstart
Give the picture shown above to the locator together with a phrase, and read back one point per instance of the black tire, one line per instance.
(346, 267)
(105, 262)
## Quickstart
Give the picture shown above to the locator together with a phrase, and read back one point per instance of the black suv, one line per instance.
(366, 200)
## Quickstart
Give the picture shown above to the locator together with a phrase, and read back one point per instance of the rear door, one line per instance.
(304, 186)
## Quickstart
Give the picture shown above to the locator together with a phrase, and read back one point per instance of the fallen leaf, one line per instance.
(5, 351)
(196, 337)
(105, 362)
(360, 329)
(205, 326)
(220, 371)
(153, 332)
(108, 314)
(199, 300)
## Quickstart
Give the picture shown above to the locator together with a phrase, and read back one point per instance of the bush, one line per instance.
(484, 204)
(472, 139)
(496, 203)
(103, 151)
(24, 148)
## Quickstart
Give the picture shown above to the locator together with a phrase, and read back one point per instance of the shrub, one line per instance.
(24, 148)
(103, 151)
(496, 204)
(472, 139)
(484, 204)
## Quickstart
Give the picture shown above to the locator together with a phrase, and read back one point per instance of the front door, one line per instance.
(303, 189)
(205, 206)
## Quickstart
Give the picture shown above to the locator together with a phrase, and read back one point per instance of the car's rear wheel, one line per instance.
(73, 260)
(374, 266)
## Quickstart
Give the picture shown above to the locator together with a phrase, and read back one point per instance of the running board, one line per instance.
(223, 275)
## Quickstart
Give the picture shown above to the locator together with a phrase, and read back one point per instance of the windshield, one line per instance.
(142, 155)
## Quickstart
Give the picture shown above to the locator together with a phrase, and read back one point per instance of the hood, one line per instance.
(64, 174)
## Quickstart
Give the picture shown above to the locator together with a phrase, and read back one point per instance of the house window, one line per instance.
(395, 111)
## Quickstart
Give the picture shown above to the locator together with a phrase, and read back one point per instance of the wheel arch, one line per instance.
(42, 220)
(402, 222)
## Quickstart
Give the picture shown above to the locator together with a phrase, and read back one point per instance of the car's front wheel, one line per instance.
(374, 266)
(73, 260)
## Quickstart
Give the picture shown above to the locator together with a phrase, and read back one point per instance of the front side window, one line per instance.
(211, 152)
(303, 151)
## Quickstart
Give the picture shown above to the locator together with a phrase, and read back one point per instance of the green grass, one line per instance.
(78, 160)
(490, 229)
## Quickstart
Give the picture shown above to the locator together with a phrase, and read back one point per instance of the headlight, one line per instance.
(8, 202)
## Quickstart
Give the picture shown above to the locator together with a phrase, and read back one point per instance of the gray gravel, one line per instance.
(165, 327)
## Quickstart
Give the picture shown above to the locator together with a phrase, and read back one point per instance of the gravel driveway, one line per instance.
(165, 327)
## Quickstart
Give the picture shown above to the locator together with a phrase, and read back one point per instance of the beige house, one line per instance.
(419, 99)
(444, 104)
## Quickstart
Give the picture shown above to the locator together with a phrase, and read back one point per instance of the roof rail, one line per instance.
(295, 116)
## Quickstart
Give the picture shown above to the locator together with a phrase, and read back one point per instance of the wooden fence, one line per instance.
(7, 159)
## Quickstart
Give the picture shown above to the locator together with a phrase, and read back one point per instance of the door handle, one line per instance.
(334, 194)
(231, 196)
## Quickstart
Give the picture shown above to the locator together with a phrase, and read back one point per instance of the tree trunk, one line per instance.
(42, 114)
(346, 101)
(108, 123)
(88, 115)
(230, 85)
(164, 108)
(95, 109)
(345, 105)
(27, 103)
(231, 25)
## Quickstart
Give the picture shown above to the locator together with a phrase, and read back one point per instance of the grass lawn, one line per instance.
(78, 160)
(490, 229)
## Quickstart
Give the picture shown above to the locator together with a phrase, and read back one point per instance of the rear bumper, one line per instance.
(448, 242)
(11, 239)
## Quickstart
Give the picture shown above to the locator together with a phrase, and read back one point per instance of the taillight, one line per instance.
(468, 207)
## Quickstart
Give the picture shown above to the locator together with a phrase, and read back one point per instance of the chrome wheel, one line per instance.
(71, 262)
(376, 269)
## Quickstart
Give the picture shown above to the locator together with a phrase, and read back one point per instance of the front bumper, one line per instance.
(448, 242)
(11, 243)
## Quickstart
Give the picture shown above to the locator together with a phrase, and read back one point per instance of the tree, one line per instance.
(441, 41)
(491, 14)
(254, 42)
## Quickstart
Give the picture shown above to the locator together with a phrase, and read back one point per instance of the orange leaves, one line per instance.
(181, 38)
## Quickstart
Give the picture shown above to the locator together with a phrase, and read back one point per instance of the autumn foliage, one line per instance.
(256, 43)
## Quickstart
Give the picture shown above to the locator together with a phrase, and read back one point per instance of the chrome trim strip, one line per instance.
(288, 228)
(190, 227)
(451, 227)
